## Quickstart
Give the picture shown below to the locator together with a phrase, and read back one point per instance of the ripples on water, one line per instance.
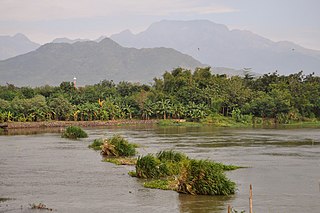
(282, 165)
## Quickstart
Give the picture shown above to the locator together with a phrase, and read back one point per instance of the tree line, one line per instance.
(179, 94)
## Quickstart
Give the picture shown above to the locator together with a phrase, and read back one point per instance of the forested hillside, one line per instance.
(180, 94)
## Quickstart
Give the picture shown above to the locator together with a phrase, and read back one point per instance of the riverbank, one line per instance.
(54, 124)
(227, 122)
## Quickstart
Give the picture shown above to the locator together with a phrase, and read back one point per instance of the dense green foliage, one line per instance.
(74, 132)
(175, 171)
(179, 94)
(117, 146)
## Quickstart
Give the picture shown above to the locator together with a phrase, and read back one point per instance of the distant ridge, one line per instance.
(91, 62)
(216, 45)
(18, 44)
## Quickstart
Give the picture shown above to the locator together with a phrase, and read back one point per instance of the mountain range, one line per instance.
(139, 57)
(18, 44)
(216, 45)
(90, 62)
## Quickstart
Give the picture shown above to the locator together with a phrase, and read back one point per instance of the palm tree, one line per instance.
(164, 107)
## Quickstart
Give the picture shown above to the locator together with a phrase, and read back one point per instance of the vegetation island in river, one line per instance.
(179, 94)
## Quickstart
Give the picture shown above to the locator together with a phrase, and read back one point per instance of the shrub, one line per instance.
(118, 146)
(74, 132)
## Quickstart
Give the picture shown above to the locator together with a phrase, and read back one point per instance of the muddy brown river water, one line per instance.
(283, 165)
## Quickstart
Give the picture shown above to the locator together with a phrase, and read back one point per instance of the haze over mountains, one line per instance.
(91, 62)
(18, 44)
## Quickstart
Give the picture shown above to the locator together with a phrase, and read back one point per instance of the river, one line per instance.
(283, 166)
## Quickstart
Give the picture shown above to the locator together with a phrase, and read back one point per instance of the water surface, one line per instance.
(283, 167)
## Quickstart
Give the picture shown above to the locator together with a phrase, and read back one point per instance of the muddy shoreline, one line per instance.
(53, 124)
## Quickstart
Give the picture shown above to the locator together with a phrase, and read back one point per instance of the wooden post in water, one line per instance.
(229, 209)
(250, 200)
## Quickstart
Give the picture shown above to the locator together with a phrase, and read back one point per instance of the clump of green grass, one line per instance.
(157, 184)
(96, 144)
(205, 178)
(148, 167)
(175, 171)
(171, 156)
(74, 132)
(121, 161)
(118, 146)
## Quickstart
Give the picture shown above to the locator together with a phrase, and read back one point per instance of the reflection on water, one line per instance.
(203, 204)
(282, 164)
(31, 131)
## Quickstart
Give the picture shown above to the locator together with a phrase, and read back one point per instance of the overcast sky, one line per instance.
(44, 20)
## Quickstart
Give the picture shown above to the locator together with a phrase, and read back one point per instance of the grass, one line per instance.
(171, 156)
(74, 132)
(121, 161)
(303, 124)
(175, 171)
(96, 144)
(157, 184)
(117, 146)
(223, 121)
(169, 122)
(203, 177)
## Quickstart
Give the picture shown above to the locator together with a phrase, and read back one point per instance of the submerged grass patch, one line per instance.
(74, 132)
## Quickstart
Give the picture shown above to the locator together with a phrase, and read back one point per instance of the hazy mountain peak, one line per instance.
(126, 32)
(21, 36)
(107, 42)
(216, 45)
(166, 26)
(18, 44)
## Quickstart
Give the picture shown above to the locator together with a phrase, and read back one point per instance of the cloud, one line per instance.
(37, 10)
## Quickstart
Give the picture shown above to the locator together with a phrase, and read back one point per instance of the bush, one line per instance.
(74, 132)
(118, 146)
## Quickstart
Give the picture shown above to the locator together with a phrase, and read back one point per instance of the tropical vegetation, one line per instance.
(180, 94)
